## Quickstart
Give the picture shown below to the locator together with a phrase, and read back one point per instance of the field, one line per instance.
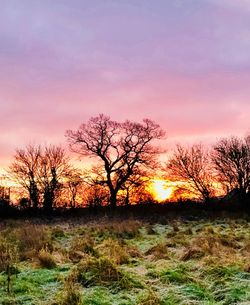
(125, 262)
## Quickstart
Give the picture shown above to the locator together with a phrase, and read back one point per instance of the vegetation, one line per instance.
(126, 163)
(106, 261)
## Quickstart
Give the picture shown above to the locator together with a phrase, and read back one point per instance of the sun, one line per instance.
(161, 191)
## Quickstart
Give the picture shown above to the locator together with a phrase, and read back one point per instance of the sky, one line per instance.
(182, 63)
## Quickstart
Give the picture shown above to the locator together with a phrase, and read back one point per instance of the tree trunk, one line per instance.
(113, 200)
(48, 202)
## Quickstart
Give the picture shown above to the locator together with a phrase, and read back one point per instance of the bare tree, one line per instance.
(231, 159)
(135, 183)
(24, 170)
(40, 171)
(192, 166)
(53, 169)
(120, 147)
(74, 182)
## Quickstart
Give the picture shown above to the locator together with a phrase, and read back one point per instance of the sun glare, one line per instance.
(161, 191)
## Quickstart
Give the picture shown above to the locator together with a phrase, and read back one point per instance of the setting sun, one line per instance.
(161, 191)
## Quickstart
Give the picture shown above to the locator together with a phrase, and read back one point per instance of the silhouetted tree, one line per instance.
(24, 170)
(135, 183)
(74, 183)
(120, 147)
(192, 166)
(41, 172)
(231, 159)
(53, 169)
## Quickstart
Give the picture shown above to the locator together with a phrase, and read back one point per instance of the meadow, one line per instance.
(111, 261)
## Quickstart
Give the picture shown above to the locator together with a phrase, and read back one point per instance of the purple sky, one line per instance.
(182, 63)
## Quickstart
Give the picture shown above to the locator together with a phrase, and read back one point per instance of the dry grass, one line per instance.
(46, 259)
(70, 294)
(31, 239)
(189, 262)
(121, 229)
(114, 251)
(159, 251)
(80, 246)
(8, 254)
(150, 298)
(100, 271)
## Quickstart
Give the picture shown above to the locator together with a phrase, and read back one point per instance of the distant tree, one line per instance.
(53, 169)
(135, 184)
(24, 170)
(192, 166)
(40, 171)
(231, 159)
(74, 183)
(121, 148)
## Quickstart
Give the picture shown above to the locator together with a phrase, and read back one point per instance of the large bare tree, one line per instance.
(231, 158)
(192, 166)
(120, 147)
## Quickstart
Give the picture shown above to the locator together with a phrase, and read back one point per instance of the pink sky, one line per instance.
(183, 63)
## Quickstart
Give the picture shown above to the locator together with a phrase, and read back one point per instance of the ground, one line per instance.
(125, 262)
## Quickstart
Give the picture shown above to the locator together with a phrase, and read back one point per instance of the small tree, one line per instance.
(120, 147)
(192, 166)
(231, 159)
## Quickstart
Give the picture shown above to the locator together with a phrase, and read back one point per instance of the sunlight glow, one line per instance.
(161, 191)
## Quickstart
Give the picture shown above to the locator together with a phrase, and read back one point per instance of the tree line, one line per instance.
(125, 155)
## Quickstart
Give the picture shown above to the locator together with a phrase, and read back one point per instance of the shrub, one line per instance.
(8, 254)
(8, 259)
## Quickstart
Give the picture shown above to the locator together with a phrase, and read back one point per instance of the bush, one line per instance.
(8, 254)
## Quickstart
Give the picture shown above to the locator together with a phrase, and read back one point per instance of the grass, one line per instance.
(126, 262)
